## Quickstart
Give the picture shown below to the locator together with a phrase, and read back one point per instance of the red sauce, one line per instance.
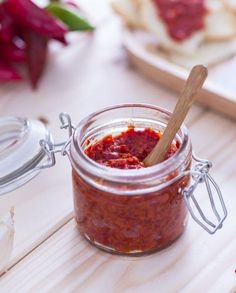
(125, 223)
(182, 17)
(127, 150)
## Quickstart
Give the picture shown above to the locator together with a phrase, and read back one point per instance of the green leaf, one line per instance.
(70, 17)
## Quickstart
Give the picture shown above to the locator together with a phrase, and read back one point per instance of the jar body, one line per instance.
(131, 215)
(130, 224)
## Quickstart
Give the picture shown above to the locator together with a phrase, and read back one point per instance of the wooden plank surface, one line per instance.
(198, 262)
(64, 262)
(89, 74)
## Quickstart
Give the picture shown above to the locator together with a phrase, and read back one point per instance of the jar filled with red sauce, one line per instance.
(121, 206)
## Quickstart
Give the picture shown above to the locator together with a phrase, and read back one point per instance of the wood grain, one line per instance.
(64, 262)
(198, 262)
(89, 74)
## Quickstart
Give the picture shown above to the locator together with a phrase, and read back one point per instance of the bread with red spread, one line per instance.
(153, 23)
(219, 21)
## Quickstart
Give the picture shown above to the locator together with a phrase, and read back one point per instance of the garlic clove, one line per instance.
(7, 232)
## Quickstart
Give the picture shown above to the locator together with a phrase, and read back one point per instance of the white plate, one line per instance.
(219, 92)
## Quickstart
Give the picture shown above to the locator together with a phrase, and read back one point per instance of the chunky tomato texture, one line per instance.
(129, 224)
(127, 150)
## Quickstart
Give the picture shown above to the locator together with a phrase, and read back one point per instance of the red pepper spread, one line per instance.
(127, 150)
(182, 17)
(125, 223)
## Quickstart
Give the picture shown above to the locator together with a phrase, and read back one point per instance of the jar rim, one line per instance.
(125, 176)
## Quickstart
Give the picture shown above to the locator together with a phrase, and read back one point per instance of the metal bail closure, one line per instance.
(200, 176)
(27, 147)
(51, 149)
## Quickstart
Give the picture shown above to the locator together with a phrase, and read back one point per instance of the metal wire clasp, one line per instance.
(50, 149)
(200, 175)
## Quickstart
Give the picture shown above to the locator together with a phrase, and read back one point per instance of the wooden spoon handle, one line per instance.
(194, 83)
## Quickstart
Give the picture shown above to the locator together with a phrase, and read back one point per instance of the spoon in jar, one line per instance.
(193, 84)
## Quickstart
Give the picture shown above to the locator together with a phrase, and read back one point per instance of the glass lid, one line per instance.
(20, 151)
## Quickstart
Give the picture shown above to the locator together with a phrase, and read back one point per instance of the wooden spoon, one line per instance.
(194, 83)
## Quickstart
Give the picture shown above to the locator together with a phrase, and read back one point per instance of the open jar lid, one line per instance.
(20, 151)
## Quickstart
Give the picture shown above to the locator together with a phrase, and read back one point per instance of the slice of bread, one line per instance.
(207, 54)
(211, 45)
(129, 11)
(152, 22)
(220, 22)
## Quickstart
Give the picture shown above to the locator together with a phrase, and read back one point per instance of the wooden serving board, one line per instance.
(219, 92)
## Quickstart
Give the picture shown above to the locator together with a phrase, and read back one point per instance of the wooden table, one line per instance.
(49, 255)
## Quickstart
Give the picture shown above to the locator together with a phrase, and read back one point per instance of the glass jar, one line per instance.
(131, 212)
